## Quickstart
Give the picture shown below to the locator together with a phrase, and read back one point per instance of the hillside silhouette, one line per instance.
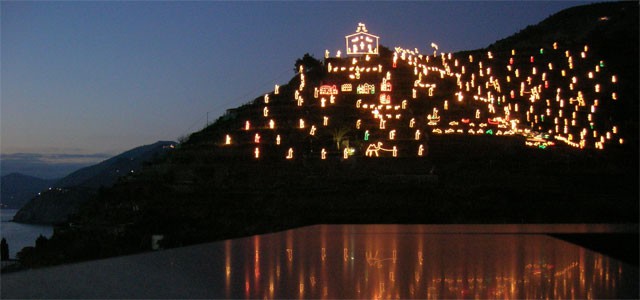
(532, 129)
(17, 189)
(64, 196)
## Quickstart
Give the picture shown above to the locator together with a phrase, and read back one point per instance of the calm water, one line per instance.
(20, 235)
(387, 261)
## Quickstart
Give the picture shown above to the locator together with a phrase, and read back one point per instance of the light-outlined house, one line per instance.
(362, 42)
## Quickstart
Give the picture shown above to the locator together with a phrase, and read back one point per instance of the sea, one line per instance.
(20, 235)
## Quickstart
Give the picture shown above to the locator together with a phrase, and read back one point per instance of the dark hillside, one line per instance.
(107, 172)
(600, 24)
(611, 30)
(16, 189)
(53, 206)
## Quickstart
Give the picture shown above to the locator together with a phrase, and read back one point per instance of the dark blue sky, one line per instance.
(104, 77)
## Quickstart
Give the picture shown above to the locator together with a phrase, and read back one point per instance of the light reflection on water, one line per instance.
(390, 261)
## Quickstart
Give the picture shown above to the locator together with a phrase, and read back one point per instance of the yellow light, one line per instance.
(256, 152)
(301, 123)
(323, 155)
(256, 138)
(272, 124)
(247, 125)
(278, 139)
(290, 153)
(228, 139)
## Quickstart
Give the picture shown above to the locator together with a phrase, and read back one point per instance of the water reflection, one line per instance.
(387, 261)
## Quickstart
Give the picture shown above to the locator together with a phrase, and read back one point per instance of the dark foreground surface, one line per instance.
(356, 261)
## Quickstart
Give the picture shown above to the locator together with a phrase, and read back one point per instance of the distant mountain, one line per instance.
(17, 189)
(54, 205)
(107, 172)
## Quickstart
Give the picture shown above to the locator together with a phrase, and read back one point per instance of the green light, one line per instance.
(366, 135)
(542, 146)
(541, 51)
(601, 64)
(490, 131)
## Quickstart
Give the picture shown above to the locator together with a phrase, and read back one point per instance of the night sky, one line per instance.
(82, 81)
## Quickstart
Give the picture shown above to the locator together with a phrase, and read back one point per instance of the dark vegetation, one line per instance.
(203, 192)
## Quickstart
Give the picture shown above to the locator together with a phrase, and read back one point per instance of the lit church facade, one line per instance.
(362, 42)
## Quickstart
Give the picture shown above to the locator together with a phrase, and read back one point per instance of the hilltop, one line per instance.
(539, 134)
